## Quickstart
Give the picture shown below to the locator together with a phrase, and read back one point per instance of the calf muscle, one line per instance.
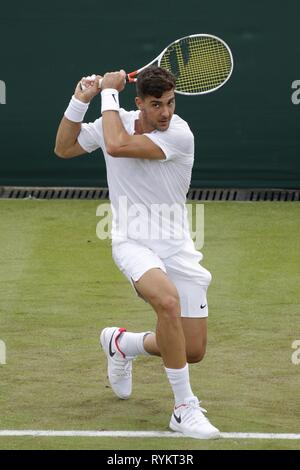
(155, 287)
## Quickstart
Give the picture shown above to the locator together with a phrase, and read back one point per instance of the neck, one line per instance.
(142, 126)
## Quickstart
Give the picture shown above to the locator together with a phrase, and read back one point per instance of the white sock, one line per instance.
(132, 344)
(180, 382)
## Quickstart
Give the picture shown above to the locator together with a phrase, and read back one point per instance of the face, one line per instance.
(156, 113)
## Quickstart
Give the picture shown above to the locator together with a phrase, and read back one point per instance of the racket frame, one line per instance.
(131, 77)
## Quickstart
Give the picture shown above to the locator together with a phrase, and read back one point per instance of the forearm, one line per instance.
(66, 138)
(115, 135)
(66, 145)
(117, 141)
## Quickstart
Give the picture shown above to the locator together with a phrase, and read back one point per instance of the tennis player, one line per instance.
(149, 156)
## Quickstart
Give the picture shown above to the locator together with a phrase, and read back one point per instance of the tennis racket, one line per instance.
(201, 63)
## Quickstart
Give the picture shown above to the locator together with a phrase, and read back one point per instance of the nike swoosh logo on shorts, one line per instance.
(178, 418)
(110, 350)
(202, 306)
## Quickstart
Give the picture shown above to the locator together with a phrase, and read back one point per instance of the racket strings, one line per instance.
(200, 64)
(209, 64)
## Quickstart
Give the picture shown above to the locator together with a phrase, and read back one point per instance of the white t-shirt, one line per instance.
(148, 196)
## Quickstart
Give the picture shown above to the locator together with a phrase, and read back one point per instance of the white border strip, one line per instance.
(137, 434)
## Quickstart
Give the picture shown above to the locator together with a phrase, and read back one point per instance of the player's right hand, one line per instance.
(87, 88)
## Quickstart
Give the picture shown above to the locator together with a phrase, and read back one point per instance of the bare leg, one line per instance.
(155, 287)
(195, 332)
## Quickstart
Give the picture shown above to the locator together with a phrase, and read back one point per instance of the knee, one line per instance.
(196, 355)
(168, 305)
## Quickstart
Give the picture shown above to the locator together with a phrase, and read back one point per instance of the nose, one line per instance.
(165, 113)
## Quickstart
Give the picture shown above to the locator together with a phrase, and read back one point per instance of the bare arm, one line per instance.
(66, 145)
(118, 142)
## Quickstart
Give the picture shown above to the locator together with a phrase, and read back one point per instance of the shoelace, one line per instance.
(196, 404)
(190, 409)
(122, 368)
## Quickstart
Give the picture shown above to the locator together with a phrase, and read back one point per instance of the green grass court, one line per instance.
(60, 287)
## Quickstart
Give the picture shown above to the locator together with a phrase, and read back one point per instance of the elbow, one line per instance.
(116, 149)
(113, 150)
(58, 153)
(61, 153)
(116, 146)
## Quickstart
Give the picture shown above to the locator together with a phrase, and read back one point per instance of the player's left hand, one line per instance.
(88, 88)
(116, 80)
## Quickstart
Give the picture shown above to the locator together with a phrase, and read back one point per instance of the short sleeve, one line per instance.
(91, 136)
(177, 143)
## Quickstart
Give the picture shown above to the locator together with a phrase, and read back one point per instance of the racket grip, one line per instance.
(131, 77)
(127, 79)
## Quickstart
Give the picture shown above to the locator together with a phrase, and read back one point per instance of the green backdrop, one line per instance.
(247, 133)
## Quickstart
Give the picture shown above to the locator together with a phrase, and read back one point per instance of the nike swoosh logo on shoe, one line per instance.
(178, 418)
(109, 348)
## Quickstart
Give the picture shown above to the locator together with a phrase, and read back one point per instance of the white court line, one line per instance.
(224, 435)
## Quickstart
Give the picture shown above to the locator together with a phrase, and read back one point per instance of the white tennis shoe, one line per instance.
(189, 419)
(119, 367)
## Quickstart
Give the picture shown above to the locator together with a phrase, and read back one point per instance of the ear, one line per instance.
(139, 102)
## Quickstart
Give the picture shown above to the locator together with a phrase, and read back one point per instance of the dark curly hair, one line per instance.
(154, 81)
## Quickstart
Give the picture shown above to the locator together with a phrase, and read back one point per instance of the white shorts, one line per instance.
(183, 269)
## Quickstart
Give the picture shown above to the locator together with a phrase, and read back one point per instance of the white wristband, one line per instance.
(76, 110)
(109, 100)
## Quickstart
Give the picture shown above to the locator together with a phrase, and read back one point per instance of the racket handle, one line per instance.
(91, 78)
(127, 79)
(131, 77)
(83, 87)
